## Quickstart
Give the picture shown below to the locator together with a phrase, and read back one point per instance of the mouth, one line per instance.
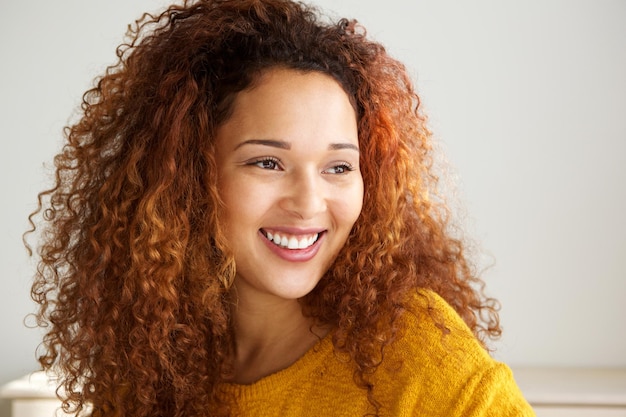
(291, 241)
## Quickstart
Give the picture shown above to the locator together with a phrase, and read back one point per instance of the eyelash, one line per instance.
(345, 167)
(265, 160)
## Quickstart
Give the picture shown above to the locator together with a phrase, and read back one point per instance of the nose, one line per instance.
(304, 195)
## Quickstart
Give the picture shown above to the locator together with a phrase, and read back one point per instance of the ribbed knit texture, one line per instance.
(424, 373)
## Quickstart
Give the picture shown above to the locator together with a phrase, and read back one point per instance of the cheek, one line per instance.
(244, 201)
(351, 205)
(234, 200)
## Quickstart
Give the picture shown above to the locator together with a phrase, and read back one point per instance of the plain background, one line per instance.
(527, 100)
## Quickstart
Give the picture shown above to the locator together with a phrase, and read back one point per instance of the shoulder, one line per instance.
(430, 328)
(440, 367)
(433, 337)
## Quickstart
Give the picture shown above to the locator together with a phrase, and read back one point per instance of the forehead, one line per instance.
(289, 104)
(278, 84)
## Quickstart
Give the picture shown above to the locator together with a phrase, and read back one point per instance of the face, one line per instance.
(288, 162)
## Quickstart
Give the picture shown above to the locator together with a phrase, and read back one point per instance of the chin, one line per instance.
(295, 290)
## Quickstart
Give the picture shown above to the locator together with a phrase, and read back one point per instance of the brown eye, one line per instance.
(265, 163)
(342, 168)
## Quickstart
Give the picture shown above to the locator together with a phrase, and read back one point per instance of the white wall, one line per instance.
(528, 100)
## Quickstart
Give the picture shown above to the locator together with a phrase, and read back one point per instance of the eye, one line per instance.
(341, 168)
(265, 163)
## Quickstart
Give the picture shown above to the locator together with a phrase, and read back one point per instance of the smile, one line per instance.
(288, 241)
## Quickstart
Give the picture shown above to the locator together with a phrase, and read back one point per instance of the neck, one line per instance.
(270, 335)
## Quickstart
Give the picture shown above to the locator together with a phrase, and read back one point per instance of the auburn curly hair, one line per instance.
(134, 272)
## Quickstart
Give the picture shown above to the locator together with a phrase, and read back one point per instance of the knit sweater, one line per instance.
(424, 373)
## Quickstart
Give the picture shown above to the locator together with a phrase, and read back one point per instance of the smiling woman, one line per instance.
(291, 198)
(243, 223)
(298, 182)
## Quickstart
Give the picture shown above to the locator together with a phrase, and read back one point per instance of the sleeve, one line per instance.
(493, 392)
(452, 374)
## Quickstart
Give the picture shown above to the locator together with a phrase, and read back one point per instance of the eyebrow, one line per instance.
(265, 142)
(286, 145)
(337, 146)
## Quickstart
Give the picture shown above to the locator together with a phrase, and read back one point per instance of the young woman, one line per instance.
(245, 222)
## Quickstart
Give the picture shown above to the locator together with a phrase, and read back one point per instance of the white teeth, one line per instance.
(292, 242)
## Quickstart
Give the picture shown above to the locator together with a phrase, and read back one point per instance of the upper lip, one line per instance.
(294, 230)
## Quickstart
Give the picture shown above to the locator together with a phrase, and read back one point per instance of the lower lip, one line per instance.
(294, 255)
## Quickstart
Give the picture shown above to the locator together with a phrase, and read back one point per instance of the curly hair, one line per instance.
(134, 272)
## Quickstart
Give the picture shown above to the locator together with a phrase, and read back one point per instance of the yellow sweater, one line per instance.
(449, 376)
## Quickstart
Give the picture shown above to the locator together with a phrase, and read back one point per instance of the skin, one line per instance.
(288, 164)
